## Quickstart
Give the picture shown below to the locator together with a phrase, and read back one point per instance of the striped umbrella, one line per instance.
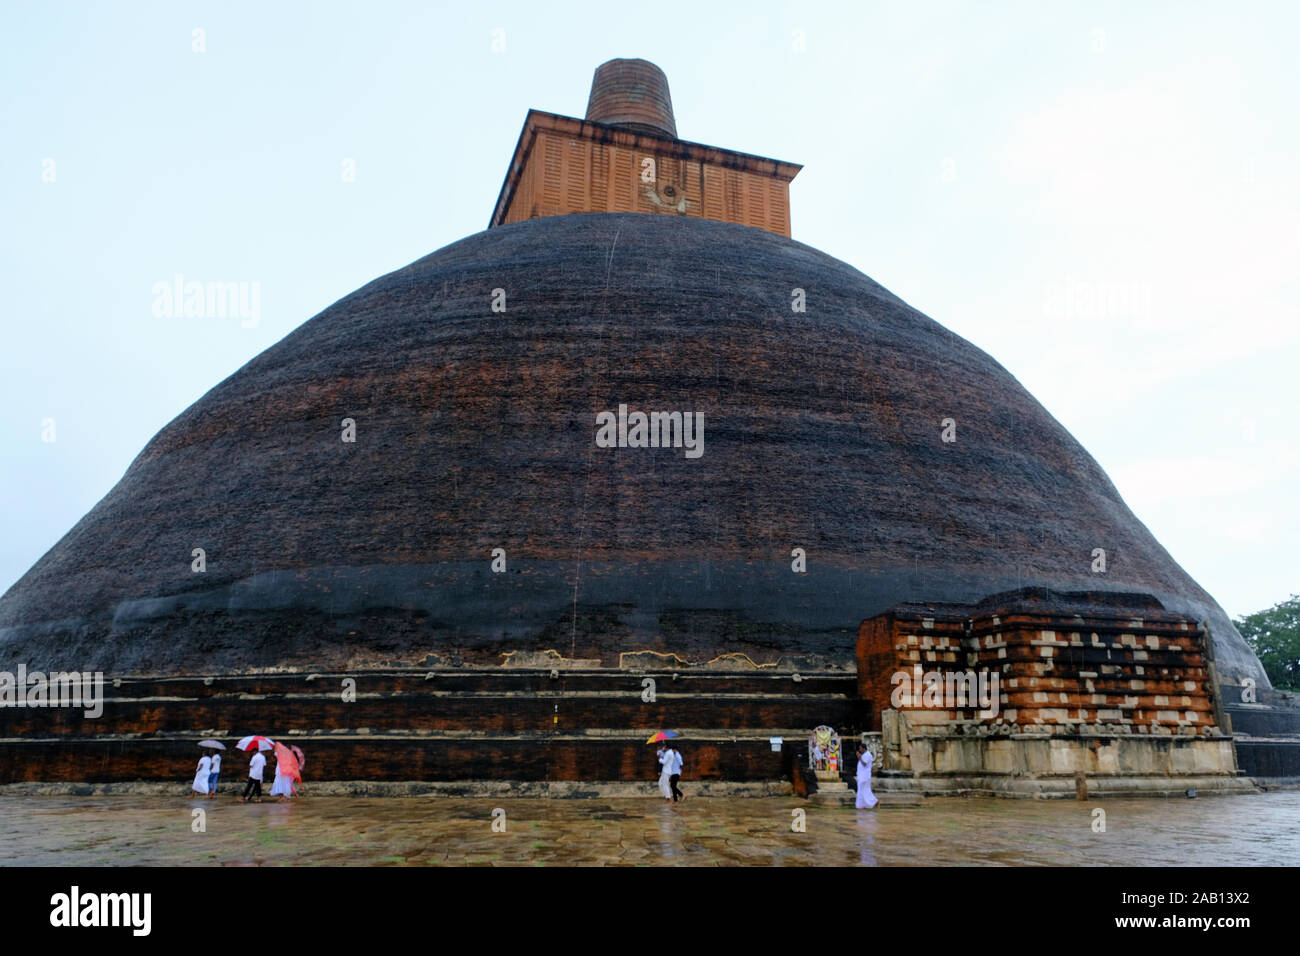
(256, 742)
(663, 735)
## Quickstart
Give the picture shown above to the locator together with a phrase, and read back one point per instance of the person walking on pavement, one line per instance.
(254, 785)
(214, 775)
(202, 772)
(665, 787)
(866, 799)
(673, 770)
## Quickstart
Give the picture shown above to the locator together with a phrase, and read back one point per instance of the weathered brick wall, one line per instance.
(1138, 673)
(896, 642)
(425, 726)
(381, 758)
(476, 431)
(1059, 671)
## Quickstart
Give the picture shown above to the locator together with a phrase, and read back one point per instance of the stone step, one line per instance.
(399, 758)
(512, 713)
(1279, 757)
(494, 680)
(834, 798)
(1264, 720)
(647, 790)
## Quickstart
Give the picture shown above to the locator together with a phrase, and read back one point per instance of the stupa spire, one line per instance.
(632, 93)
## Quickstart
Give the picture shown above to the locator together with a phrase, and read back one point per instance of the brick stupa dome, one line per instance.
(475, 431)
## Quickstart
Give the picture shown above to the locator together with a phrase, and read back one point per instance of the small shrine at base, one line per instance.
(824, 755)
(826, 760)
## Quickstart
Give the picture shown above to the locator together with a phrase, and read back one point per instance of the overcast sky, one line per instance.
(1103, 198)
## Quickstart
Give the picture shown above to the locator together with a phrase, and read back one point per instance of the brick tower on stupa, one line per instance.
(625, 157)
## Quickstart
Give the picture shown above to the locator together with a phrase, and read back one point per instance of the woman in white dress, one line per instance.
(286, 771)
(281, 787)
(201, 778)
(665, 771)
(866, 799)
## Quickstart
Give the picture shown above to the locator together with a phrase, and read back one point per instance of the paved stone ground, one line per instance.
(704, 831)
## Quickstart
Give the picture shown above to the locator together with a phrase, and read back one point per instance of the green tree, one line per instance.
(1274, 635)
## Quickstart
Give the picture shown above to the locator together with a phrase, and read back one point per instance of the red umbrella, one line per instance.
(286, 763)
(256, 742)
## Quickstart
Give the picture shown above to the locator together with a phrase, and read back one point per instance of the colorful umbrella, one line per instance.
(212, 744)
(286, 764)
(256, 742)
(663, 735)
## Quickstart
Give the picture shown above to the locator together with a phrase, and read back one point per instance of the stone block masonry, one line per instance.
(1060, 669)
(1106, 684)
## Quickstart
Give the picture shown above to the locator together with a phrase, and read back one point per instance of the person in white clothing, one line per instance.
(214, 774)
(673, 770)
(254, 785)
(200, 785)
(664, 786)
(282, 787)
(866, 799)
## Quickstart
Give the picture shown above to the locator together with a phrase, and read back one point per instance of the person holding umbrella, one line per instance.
(666, 763)
(214, 774)
(673, 767)
(257, 744)
(286, 771)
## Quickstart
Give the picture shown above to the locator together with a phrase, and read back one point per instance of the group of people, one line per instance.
(209, 772)
(288, 776)
(670, 771)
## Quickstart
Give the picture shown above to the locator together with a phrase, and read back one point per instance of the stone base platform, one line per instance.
(833, 793)
(1061, 788)
(551, 789)
(484, 789)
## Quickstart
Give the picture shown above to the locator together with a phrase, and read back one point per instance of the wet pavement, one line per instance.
(706, 831)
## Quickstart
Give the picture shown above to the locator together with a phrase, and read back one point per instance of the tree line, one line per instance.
(1274, 635)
